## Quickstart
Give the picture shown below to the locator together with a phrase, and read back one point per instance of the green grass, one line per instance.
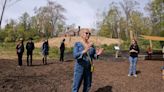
(8, 51)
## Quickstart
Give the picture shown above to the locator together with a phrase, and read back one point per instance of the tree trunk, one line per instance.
(126, 30)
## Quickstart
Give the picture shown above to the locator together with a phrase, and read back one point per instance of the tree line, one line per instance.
(48, 21)
(122, 20)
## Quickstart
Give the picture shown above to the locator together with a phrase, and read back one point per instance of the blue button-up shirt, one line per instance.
(83, 60)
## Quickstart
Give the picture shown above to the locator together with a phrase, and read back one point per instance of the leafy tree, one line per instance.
(25, 21)
(10, 2)
(156, 11)
(122, 23)
(110, 24)
(48, 17)
(10, 31)
(105, 31)
(3, 34)
(128, 6)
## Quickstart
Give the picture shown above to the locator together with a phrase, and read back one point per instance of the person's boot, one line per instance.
(46, 61)
(31, 63)
(43, 61)
(27, 63)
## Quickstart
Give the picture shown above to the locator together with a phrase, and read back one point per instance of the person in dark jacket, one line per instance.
(45, 50)
(29, 47)
(134, 51)
(19, 51)
(62, 48)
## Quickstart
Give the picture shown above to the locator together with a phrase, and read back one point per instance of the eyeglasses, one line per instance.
(88, 33)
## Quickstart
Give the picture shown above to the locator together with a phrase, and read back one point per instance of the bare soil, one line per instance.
(109, 76)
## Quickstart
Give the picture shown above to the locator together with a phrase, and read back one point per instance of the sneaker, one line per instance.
(135, 75)
(129, 75)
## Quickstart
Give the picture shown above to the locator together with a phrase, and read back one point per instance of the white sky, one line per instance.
(79, 12)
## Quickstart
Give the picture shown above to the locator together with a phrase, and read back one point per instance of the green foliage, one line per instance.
(108, 49)
(125, 45)
(3, 34)
(133, 21)
(162, 33)
(156, 45)
(161, 43)
(143, 44)
(48, 22)
(36, 38)
(8, 39)
(109, 25)
(156, 11)
(105, 31)
(54, 52)
(69, 50)
(7, 46)
(9, 49)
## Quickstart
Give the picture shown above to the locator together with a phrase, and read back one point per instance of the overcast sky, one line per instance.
(79, 12)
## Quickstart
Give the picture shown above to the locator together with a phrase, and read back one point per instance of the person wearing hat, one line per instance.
(29, 47)
(19, 51)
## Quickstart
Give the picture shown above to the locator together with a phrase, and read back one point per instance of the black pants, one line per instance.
(44, 59)
(62, 55)
(29, 59)
(20, 59)
(149, 55)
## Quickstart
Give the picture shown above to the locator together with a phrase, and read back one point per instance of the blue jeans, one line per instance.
(133, 63)
(82, 73)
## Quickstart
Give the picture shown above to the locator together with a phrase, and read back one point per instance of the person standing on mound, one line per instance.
(84, 52)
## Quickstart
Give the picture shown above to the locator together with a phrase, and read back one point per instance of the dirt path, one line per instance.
(109, 76)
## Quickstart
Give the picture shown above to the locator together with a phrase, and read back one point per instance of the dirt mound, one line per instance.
(55, 42)
(109, 76)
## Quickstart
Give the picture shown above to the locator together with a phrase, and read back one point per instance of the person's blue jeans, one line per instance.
(82, 73)
(133, 63)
